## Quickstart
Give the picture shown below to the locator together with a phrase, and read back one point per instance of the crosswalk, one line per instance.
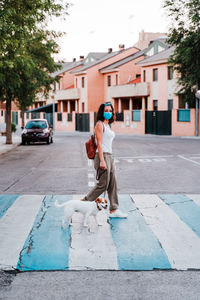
(161, 232)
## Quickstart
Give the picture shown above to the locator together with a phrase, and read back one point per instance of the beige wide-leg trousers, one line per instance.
(106, 181)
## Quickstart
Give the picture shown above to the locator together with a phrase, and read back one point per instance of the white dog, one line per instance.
(87, 208)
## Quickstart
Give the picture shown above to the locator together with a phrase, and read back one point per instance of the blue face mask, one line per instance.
(107, 115)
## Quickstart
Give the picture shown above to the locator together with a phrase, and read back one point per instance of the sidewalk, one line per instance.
(16, 139)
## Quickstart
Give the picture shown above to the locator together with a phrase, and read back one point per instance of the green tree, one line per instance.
(184, 35)
(26, 51)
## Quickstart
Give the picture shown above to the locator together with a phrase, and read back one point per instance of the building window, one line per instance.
(59, 84)
(183, 115)
(170, 73)
(144, 76)
(155, 74)
(138, 75)
(59, 116)
(83, 107)
(83, 81)
(2, 113)
(155, 104)
(27, 115)
(117, 79)
(76, 83)
(170, 104)
(136, 115)
(109, 80)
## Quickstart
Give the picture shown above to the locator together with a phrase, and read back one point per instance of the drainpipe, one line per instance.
(54, 94)
(197, 94)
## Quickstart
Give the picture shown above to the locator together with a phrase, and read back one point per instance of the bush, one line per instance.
(13, 127)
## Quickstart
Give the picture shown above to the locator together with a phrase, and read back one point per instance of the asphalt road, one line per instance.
(144, 164)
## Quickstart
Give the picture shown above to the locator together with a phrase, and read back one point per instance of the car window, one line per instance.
(36, 125)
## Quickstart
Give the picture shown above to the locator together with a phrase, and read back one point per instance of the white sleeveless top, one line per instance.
(108, 136)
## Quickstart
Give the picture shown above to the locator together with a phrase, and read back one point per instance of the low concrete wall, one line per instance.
(65, 125)
(128, 126)
(183, 128)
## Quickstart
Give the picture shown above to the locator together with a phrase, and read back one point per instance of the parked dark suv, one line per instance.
(37, 130)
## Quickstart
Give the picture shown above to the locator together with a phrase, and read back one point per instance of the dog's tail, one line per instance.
(59, 205)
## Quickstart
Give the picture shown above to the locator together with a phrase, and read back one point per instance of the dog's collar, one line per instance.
(99, 208)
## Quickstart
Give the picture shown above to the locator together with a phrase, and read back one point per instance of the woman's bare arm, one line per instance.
(99, 136)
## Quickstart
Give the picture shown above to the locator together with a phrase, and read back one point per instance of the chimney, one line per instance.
(81, 58)
(121, 47)
(109, 50)
(74, 59)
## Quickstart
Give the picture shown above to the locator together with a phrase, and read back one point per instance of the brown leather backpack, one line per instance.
(91, 147)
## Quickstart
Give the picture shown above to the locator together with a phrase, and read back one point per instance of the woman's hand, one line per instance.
(103, 165)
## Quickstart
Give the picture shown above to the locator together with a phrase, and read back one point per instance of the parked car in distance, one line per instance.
(37, 130)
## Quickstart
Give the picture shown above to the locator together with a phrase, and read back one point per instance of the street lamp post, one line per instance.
(197, 94)
(54, 93)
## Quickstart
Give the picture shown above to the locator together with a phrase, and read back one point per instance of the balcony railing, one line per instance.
(129, 90)
(70, 94)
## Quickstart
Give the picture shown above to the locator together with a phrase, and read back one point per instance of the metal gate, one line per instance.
(158, 122)
(82, 122)
(49, 117)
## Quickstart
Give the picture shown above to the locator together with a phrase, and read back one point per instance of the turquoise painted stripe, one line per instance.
(47, 246)
(186, 209)
(5, 202)
(136, 245)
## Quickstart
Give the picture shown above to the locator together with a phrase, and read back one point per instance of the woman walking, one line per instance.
(104, 162)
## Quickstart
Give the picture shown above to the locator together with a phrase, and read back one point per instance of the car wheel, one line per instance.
(23, 142)
(51, 140)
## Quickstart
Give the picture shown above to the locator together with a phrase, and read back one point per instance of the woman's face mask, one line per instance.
(108, 112)
(107, 115)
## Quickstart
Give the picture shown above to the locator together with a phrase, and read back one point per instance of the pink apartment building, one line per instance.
(140, 84)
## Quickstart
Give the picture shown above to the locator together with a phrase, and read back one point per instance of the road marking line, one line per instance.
(195, 157)
(180, 243)
(143, 160)
(93, 247)
(91, 183)
(47, 245)
(89, 163)
(116, 160)
(195, 198)
(15, 226)
(159, 159)
(144, 156)
(187, 210)
(90, 175)
(137, 247)
(193, 161)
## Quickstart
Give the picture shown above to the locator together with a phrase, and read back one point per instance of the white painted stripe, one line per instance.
(91, 183)
(116, 161)
(180, 243)
(195, 157)
(15, 226)
(193, 161)
(93, 247)
(159, 159)
(90, 175)
(143, 160)
(145, 156)
(89, 163)
(129, 160)
(195, 198)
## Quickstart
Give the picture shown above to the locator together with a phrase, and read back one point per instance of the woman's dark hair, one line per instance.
(100, 113)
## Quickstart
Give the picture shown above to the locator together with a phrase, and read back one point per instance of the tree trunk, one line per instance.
(23, 122)
(8, 122)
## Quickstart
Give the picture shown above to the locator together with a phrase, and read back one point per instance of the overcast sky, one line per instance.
(96, 25)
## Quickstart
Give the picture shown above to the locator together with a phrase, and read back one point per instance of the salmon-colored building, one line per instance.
(141, 85)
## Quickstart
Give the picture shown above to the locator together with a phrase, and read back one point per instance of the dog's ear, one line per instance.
(98, 200)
